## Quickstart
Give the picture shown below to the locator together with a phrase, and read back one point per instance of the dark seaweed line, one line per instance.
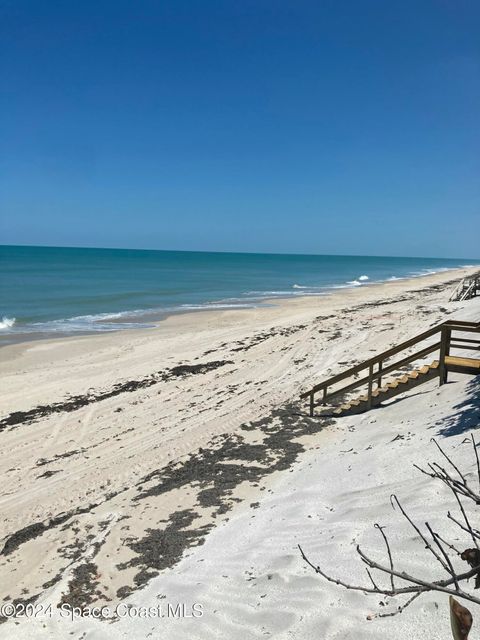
(216, 471)
(77, 402)
(14, 541)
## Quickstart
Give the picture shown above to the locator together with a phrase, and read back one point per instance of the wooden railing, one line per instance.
(467, 288)
(376, 365)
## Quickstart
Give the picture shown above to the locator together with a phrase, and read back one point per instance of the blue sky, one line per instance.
(347, 127)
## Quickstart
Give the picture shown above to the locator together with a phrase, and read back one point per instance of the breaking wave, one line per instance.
(6, 323)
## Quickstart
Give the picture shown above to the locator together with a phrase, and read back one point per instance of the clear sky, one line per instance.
(334, 126)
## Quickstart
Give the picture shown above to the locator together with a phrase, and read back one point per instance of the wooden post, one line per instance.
(324, 400)
(379, 379)
(370, 385)
(448, 341)
(444, 351)
(442, 358)
(311, 405)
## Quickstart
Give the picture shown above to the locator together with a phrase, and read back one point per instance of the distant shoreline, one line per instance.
(58, 292)
(161, 317)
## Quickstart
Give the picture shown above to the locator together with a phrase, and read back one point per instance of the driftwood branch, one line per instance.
(414, 586)
(389, 554)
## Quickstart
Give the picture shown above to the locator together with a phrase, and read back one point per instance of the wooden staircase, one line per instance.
(378, 367)
(469, 287)
(390, 389)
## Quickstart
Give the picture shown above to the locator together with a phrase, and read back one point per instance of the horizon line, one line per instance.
(268, 253)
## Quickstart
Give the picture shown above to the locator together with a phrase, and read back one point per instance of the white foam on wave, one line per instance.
(299, 286)
(6, 323)
(428, 272)
(354, 283)
(87, 323)
(263, 294)
(214, 305)
(338, 286)
(105, 317)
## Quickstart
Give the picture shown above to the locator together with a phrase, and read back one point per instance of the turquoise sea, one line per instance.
(47, 291)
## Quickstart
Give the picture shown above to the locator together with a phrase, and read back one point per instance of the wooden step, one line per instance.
(404, 383)
(463, 365)
(342, 409)
(405, 380)
(390, 389)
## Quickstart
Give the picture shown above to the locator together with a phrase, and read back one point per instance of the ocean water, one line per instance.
(47, 291)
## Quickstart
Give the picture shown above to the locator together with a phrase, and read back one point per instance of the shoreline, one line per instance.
(267, 303)
(127, 453)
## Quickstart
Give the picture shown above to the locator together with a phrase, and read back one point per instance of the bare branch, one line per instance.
(476, 457)
(415, 585)
(449, 460)
(450, 546)
(452, 483)
(439, 473)
(427, 544)
(372, 580)
(336, 580)
(467, 522)
(401, 607)
(444, 553)
(472, 532)
(438, 585)
(377, 526)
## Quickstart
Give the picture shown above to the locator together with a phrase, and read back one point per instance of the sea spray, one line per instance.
(6, 323)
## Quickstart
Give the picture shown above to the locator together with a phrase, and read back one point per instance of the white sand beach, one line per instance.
(176, 465)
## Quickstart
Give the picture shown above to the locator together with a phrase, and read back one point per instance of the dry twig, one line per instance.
(433, 542)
